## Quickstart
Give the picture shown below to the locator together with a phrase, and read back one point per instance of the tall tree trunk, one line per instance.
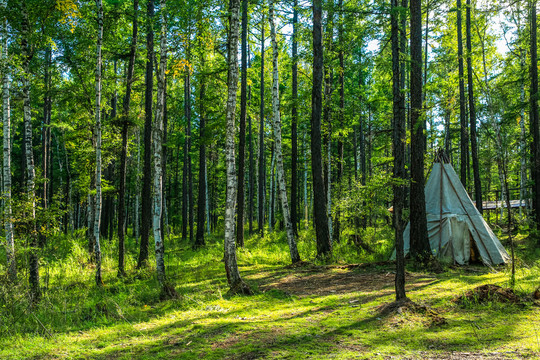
(146, 215)
(324, 246)
(337, 229)
(236, 284)
(295, 257)
(420, 249)
(399, 153)
(262, 160)
(201, 207)
(136, 219)
(189, 167)
(29, 156)
(464, 142)
(123, 154)
(242, 134)
(187, 111)
(533, 123)
(97, 220)
(271, 207)
(472, 114)
(6, 121)
(46, 139)
(523, 193)
(158, 150)
(294, 122)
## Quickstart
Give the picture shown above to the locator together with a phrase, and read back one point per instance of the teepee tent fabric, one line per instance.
(453, 222)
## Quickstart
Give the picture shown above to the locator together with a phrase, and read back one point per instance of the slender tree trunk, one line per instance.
(295, 257)
(29, 157)
(242, 134)
(337, 228)
(294, 122)
(6, 121)
(147, 167)
(324, 246)
(472, 114)
(420, 249)
(46, 139)
(236, 283)
(189, 167)
(158, 150)
(185, 161)
(271, 213)
(123, 154)
(251, 179)
(262, 161)
(534, 122)
(464, 147)
(523, 193)
(97, 220)
(201, 207)
(399, 154)
(136, 219)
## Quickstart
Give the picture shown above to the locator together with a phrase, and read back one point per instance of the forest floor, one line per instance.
(318, 311)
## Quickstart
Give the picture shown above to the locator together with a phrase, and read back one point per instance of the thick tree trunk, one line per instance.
(147, 166)
(123, 154)
(262, 160)
(282, 187)
(324, 246)
(6, 178)
(420, 249)
(472, 114)
(464, 141)
(158, 151)
(242, 134)
(97, 220)
(294, 122)
(236, 283)
(398, 141)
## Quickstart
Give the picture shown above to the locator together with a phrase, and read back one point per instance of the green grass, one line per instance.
(125, 319)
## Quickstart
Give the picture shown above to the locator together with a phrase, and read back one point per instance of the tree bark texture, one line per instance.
(236, 283)
(324, 246)
(420, 248)
(464, 141)
(294, 122)
(262, 160)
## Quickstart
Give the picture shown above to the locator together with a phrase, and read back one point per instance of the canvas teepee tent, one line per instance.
(456, 229)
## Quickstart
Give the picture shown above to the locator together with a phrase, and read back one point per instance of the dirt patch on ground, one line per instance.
(339, 281)
(489, 293)
(406, 306)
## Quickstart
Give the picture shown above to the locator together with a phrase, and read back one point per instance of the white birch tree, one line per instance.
(6, 121)
(236, 284)
(158, 148)
(282, 187)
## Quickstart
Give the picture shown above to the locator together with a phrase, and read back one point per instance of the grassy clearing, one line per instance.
(313, 311)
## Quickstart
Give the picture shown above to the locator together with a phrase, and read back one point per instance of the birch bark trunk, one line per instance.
(29, 157)
(295, 257)
(97, 248)
(158, 149)
(6, 121)
(236, 284)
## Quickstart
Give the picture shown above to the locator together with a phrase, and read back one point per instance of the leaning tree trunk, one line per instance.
(146, 214)
(29, 157)
(324, 246)
(97, 248)
(399, 155)
(420, 249)
(295, 257)
(472, 113)
(158, 150)
(123, 155)
(6, 121)
(236, 284)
